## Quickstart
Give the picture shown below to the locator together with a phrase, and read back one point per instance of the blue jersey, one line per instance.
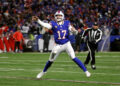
(61, 32)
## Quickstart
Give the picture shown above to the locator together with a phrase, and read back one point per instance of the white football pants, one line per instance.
(60, 48)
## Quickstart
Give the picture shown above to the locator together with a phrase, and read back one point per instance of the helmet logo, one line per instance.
(59, 11)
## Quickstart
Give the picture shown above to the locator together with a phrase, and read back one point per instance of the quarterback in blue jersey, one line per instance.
(61, 29)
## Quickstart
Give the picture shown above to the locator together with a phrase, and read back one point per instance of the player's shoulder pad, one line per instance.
(52, 21)
(67, 22)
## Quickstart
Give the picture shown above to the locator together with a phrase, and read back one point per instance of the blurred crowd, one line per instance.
(16, 14)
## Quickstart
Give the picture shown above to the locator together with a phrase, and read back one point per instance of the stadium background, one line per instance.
(82, 14)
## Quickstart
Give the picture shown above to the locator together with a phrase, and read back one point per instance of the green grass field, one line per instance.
(21, 70)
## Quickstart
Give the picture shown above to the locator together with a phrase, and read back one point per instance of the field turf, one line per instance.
(21, 69)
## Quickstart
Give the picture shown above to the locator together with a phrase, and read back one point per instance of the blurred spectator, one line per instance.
(78, 40)
(6, 38)
(17, 13)
(46, 38)
(18, 37)
(11, 41)
(25, 29)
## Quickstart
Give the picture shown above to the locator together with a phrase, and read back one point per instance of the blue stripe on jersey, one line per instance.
(61, 32)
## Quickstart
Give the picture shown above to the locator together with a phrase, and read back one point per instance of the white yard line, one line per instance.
(77, 81)
(11, 69)
(3, 57)
(56, 71)
(61, 80)
(5, 62)
(109, 74)
(69, 61)
(61, 65)
(102, 56)
(98, 56)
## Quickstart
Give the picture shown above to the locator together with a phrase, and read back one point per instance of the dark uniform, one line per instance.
(46, 38)
(78, 42)
(94, 35)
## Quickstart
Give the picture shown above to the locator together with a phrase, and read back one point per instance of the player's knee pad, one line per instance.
(52, 57)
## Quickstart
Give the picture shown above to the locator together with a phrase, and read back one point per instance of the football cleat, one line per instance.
(88, 74)
(93, 67)
(40, 75)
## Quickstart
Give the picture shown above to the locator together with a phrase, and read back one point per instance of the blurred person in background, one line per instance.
(46, 38)
(6, 42)
(18, 37)
(78, 41)
(1, 39)
(94, 35)
(11, 41)
(25, 29)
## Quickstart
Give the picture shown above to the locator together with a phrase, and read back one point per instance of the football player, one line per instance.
(61, 29)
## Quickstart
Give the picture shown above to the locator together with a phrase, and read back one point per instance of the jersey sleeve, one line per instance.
(53, 24)
(46, 25)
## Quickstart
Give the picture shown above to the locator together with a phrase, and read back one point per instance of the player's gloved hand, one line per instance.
(34, 18)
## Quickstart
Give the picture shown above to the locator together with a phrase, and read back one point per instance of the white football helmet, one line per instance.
(58, 19)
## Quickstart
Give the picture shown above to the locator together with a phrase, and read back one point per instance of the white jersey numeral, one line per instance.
(59, 35)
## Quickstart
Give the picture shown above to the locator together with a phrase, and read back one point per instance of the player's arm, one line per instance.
(84, 35)
(85, 32)
(100, 37)
(73, 30)
(46, 25)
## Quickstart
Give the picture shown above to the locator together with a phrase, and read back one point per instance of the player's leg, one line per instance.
(18, 46)
(54, 54)
(93, 48)
(93, 58)
(89, 56)
(2, 45)
(6, 44)
(87, 59)
(15, 46)
(71, 53)
(48, 64)
(12, 42)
